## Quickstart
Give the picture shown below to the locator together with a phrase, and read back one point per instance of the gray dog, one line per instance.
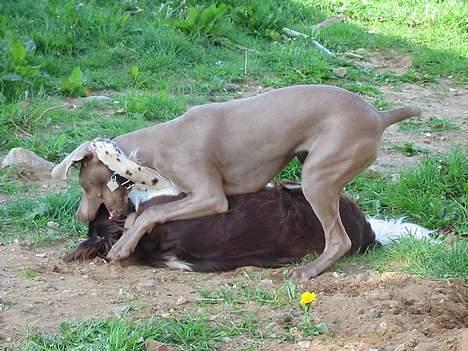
(236, 147)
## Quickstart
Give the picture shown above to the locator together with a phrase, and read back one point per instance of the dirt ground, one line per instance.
(364, 310)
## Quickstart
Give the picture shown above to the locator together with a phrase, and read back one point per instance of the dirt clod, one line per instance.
(152, 345)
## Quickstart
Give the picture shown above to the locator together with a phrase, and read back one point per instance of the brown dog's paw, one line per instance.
(81, 253)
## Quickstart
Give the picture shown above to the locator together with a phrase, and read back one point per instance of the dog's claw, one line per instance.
(301, 275)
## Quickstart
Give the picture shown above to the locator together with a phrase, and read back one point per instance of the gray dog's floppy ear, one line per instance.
(60, 171)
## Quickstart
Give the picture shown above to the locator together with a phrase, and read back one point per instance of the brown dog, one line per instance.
(269, 228)
(236, 147)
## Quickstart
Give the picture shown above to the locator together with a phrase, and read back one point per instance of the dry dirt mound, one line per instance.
(363, 309)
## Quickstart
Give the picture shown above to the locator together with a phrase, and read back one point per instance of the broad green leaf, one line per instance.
(135, 72)
(76, 77)
(18, 53)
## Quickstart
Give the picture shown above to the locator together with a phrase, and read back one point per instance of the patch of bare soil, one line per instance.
(364, 310)
(383, 60)
(442, 100)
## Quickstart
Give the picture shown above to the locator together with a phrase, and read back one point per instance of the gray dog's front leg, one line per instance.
(189, 207)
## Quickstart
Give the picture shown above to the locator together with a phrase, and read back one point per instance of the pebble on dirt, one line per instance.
(153, 345)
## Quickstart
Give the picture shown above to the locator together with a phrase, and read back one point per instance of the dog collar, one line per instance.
(117, 180)
(144, 182)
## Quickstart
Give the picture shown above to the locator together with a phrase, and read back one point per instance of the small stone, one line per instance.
(428, 135)
(304, 344)
(119, 310)
(41, 255)
(231, 87)
(53, 225)
(383, 327)
(267, 283)
(401, 347)
(427, 346)
(464, 341)
(374, 313)
(182, 300)
(452, 339)
(213, 283)
(361, 277)
(388, 276)
(153, 345)
(336, 274)
(97, 98)
(412, 343)
(455, 92)
(145, 284)
(340, 72)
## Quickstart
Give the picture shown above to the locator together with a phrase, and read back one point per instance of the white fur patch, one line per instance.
(174, 263)
(387, 231)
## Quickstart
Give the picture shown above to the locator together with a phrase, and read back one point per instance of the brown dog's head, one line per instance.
(102, 234)
(94, 176)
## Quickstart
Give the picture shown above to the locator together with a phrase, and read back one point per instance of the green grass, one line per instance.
(178, 60)
(29, 273)
(247, 290)
(156, 63)
(192, 333)
(424, 258)
(26, 218)
(409, 149)
(433, 195)
(432, 125)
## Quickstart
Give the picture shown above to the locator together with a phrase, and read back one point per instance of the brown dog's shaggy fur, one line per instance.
(269, 228)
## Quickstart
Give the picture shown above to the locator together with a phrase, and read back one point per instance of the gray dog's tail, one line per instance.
(397, 115)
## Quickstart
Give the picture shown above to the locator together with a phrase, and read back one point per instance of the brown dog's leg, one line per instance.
(323, 177)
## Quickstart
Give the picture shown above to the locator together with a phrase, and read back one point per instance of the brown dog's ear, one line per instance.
(60, 171)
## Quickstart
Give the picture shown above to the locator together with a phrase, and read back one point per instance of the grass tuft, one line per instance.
(27, 217)
(192, 333)
(424, 258)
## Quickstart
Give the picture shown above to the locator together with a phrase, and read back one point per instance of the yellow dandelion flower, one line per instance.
(307, 298)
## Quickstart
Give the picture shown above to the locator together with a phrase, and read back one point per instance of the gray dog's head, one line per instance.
(94, 177)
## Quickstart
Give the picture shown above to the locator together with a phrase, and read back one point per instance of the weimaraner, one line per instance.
(236, 147)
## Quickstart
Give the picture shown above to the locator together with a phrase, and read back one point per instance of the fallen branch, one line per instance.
(291, 33)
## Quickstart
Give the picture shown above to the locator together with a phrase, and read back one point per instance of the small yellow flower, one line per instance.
(307, 298)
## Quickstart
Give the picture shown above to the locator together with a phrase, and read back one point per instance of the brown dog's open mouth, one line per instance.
(114, 215)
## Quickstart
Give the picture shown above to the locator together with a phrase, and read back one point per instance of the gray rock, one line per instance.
(53, 225)
(340, 72)
(28, 163)
(232, 87)
(145, 284)
(96, 98)
(374, 313)
(428, 346)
